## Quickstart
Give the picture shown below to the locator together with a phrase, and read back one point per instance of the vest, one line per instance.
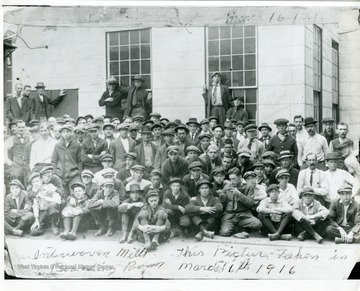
(18, 149)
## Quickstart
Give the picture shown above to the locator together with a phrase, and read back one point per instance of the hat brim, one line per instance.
(312, 122)
(192, 122)
(268, 127)
(285, 156)
(204, 183)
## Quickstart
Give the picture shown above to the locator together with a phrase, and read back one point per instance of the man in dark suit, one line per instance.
(146, 150)
(19, 107)
(41, 105)
(345, 217)
(182, 134)
(265, 130)
(217, 98)
(138, 101)
(194, 132)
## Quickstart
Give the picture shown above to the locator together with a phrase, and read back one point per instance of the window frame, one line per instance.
(317, 90)
(335, 69)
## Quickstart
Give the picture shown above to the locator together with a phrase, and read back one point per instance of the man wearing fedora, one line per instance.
(113, 97)
(40, 104)
(193, 126)
(237, 112)
(138, 102)
(265, 130)
(329, 131)
(146, 150)
(217, 98)
(314, 143)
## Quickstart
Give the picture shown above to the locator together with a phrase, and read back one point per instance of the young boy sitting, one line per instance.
(46, 205)
(345, 217)
(153, 224)
(155, 179)
(128, 211)
(91, 187)
(275, 214)
(204, 210)
(17, 210)
(309, 216)
(74, 211)
(104, 207)
(175, 200)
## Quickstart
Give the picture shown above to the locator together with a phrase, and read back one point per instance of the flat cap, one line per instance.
(107, 182)
(213, 147)
(203, 182)
(195, 165)
(240, 122)
(281, 173)
(218, 170)
(164, 119)
(155, 114)
(181, 126)
(258, 164)
(157, 124)
(77, 184)
(171, 124)
(155, 172)
(344, 188)
(133, 126)
(285, 154)
(109, 125)
(218, 126)
(168, 132)
(268, 162)
(281, 121)
(244, 153)
(148, 122)
(139, 117)
(249, 174)
(151, 193)
(306, 190)
(328, 119)
(45, 169)
(34, 128)
(99, 118)
(272, 187)
(172, 148)
(269, 154)
(192, 148)
(215, 73)
(87, 173)
(123, 126)
(16, 182)
(203, 135)
(175, 180)
(138, 168)
(33, 176)
(131, 155)
(68, 127)
(204, 121)
(250, 127)
(213, 117)
(79, 128)
(108, 171)
(92, 126)
(106, 157)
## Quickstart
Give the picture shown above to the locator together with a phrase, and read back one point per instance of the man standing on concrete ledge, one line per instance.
(217, 98)
(138, 101)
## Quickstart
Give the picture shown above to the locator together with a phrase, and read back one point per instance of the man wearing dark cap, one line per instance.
(41, 105)
(156, 184)
(182, 141)
(217, 98)
(243, 162)
(329, 131)
(217, 136)
(286, 163)
(108, 130)
(282, 141)
(265, 130)
(195, 175)
(137, 178)
(146, 150)
(157, 138)
(204, 142)
(239, 134)
(138, 101)
(112, 98)
(211, 159)
(174, 166)
(126, 172)
(237, 112)
(205, 126)
(255, 146)
(345, 217)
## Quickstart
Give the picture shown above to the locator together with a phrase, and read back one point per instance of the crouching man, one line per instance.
(104, 207)
(153, 224)
(309, 216)
(204, 210)
(18, 215)
(345, 217)
(275, 215)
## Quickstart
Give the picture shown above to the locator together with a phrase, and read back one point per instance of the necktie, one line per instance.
(214, 95)
(345, 218)
(134, 98)
(249, 145)
(311, 178)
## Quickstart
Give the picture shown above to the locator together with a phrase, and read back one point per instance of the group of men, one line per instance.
(155, 179)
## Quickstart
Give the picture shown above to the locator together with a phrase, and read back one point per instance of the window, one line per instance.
(8, 76)
(335, 81)
(129, 54)
(233, 52)
(317, 74)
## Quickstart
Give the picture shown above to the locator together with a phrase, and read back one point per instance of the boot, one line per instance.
(101, 231)
(339, 240)
(21, 225)
(124, 236)
(285, 237)
(199, 236)
(110, 231)
(241, 235)
(318, 238)
(17, 232)
(302, 235)
(274, 236)
(76, 222)
(67, 226)
(54, 227)
(310, 230)
(154, 244)
(209, 234)
(147, 241)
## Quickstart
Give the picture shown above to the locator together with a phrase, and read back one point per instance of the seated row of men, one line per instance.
(157, 212)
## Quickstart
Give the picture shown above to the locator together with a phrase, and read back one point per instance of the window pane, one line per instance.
(250, 78)
(134, 37)
(147, 83)
(145, 67)
(237, 46)
(251, 96)
(237, 63)
(224, 32)
(125, 81)
(249, 62)
(114, 53)
(114, 68)
(249, 31)
(113, 38)
(145, 35)
(251, 110)
(225, 47)
(135, 67)
(145, 51)
(225, 63)
(213, 64)
(124, 68)
(238, 92)
(213, 48)
(249, 45)
(237, 80)
(213, 32)
(134, 52)
(226, 79)
(124, 53)
(124, 37)
(237, 31)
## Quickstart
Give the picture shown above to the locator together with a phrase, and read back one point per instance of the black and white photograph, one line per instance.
(181, 141)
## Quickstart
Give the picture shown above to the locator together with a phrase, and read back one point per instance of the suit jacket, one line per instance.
(13, 110)
(196, 137)
(113, 108)
(352, 216)
(193, 208)
(190, 184)
(23, 207)
(87, 148)
(35, 105)
(262, 139)
(161, 156)
(188, 142)
(182, 200)
(225, 97)
(207, 161)
(139, 150)
(118, 152)
(178, 169)
(140, 92)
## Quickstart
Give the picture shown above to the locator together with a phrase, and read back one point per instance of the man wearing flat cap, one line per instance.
(255, 146)
(211, 159)
(137, 177)
(195, 175)
(113, 98)
(329, 132)
(146, 150)
(157, 138)
(174, 166)
(182, 141)
(217, 98)
(138, 101)
(41, 105)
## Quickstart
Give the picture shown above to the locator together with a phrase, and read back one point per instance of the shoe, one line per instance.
(285, 237)
(148, 245)
(339, 240)
(241, 235)
(209, 234)
(100, 232)
(273, 236)
(173, 234)
(64, 235)
(18, 232)
(199, 236)
(55, 230)
(154, 245)
(110, 232)
(123, 238)
(302, 235)
(71, 236)
(318, 238)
